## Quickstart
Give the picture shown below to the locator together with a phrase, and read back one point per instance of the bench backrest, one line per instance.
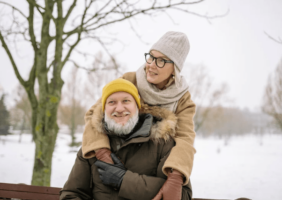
(30, 192)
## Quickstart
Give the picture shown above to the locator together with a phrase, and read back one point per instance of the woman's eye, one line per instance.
(125, 101)
(161, 60)
(150, 58)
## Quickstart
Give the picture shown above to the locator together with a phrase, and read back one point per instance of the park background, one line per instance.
(235, 54)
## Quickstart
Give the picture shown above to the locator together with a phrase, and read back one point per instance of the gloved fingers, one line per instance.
(159, 196)
(101, 164)
(100, 171)
(115, 159)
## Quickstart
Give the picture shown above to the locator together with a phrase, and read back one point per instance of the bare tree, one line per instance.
(230, 121)
(205, 93)
(272, 104)
(61, 26)
(20, 113)
(71, 111)
(105, 71)
(4, 116)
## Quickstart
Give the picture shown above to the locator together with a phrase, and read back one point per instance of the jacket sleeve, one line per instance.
(186, 189)
(77, 186)
(136, 186)
(186, 192)
(182, 155)
(93, 137)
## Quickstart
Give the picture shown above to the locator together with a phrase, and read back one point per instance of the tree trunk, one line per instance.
(42, 164)
(73, 138)
(46, 134)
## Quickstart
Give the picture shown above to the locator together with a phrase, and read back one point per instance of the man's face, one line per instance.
(120, 106)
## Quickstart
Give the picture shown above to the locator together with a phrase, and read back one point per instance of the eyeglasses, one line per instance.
(159, 61)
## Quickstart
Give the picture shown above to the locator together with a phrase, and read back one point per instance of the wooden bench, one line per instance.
(30, 192)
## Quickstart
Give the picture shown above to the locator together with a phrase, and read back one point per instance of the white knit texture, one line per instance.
(175, 45)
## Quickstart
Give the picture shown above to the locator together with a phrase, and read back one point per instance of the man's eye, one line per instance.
(110, 102)
(126, 101)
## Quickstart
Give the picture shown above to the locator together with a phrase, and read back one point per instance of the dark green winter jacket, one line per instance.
(143, 153)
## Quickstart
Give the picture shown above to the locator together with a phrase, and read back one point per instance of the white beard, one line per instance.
(120, 129)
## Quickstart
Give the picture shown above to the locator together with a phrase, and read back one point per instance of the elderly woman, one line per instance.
(159, 84)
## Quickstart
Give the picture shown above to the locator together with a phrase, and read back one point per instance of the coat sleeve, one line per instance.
(77, 186)
(137, 186)
(182, 155)
(93, 138)
(186, 189)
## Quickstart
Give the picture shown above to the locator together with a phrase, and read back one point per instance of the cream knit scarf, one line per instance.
(167, 98)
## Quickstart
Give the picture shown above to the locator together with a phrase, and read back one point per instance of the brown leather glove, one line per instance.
(104, 155)
(172, 188)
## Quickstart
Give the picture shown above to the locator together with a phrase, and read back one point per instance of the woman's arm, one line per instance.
(182, 155)
(93, 137)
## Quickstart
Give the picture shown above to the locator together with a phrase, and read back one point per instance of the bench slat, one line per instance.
(29, 188)
(27, 195)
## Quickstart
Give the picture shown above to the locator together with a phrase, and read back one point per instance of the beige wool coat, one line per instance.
(182, 155)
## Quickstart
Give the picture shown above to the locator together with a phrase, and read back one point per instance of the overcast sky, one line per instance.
(234, 48)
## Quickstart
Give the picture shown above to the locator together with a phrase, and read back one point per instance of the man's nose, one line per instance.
(119, 107)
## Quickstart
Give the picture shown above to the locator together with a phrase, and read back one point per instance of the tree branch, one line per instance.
(12, 60)
(14, 8)
(49, 67)
(38, 7)
(272, 38)
(78, 36)
(69, 11)
(31, 28)
(136, 33)
(107, 51)
(89, 70)
(134, 12)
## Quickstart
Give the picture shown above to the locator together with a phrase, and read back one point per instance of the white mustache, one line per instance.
(116, 114)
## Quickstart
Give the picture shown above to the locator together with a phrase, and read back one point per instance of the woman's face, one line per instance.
(159, 76)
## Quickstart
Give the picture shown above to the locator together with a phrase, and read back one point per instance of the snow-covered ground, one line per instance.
(248, 166)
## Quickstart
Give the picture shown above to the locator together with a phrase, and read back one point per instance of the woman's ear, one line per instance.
(173, 75)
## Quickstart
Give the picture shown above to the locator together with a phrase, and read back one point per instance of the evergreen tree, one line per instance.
(4, 117)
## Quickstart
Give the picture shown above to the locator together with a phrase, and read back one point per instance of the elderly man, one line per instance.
(140, 139)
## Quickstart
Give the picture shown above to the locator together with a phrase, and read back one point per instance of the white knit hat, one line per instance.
(175, 45)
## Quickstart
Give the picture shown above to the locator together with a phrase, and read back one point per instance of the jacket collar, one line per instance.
(163, 128)
(143, 127)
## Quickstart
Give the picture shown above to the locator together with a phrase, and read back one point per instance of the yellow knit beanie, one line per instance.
(120, 85)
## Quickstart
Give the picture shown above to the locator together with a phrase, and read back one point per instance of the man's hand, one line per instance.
(104, 155)
(172, 188)
(111, 174)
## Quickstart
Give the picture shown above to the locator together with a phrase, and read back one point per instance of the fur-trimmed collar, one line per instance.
(162, 129)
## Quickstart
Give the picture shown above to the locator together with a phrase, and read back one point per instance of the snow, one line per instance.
(244, 166)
